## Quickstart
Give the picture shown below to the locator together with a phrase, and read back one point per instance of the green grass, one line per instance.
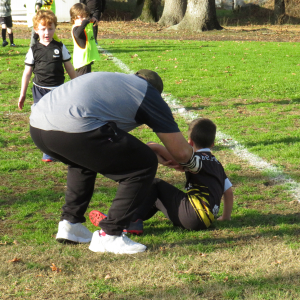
(253, 256)
(249, 89)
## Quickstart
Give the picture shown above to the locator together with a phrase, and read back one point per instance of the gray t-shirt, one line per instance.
(90, 101)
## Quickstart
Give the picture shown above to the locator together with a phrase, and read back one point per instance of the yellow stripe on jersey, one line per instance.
(199, 204)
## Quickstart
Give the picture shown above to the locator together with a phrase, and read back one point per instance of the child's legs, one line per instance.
(164, 197)
(34, 37)
(84, 70)
(174, 204)
(37, 94)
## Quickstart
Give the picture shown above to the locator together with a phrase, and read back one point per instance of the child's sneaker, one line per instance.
(136, 227)
(96, 217)
(5, 43)
(102, 242)
(47, 158)
(70, 232)
(12, 45)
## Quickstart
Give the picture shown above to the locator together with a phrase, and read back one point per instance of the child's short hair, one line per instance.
(79, 9)
(45, 17)
(202, 132)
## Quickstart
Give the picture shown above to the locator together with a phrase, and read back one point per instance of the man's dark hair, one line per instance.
(202, 132)
(152, 77)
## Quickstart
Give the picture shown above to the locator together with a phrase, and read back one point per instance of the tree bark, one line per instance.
(279, 11)
(173, 12)
(200, 15)
(146, 10)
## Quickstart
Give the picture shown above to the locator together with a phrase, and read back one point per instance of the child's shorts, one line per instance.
(7, 21)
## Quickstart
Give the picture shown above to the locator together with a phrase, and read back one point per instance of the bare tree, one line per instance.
(146, 10)
(279, 11)
(173, 12)
(200, 15)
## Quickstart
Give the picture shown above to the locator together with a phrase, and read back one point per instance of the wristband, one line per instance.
(194, 164)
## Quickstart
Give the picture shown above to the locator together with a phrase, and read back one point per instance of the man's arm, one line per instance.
(25, 81)
(177, 146)
(164, 157)
(228, 204)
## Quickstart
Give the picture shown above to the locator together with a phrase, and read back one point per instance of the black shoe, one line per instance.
(5, 43)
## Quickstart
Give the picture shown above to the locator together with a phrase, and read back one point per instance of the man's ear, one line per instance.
(191, 142)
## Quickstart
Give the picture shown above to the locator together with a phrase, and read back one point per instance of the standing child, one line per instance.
(6, 22)
(198, 208)
(85, 49)
(45, 59)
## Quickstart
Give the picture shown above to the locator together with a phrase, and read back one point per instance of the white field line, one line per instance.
(274, 174)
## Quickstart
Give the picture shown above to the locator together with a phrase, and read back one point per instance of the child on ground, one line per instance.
(199, 206)
(85, 49)
(6, 22)
(45, 59)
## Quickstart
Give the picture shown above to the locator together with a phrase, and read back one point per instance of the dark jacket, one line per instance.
(96, 7)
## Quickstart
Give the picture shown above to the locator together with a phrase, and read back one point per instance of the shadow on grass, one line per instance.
(278, 102)
(205, 285)
(228, 234)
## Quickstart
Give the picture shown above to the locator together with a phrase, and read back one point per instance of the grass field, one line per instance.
(250, 90)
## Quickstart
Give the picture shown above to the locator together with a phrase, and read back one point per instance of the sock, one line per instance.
(4, 34)
(102, 233)
(11, 38)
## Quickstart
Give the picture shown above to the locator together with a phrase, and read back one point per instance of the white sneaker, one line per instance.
(76, 233)
(115, 244)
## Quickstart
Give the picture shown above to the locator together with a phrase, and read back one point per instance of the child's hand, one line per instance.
(21, 102)
(94, 21)
(223, 219)
(169, 163)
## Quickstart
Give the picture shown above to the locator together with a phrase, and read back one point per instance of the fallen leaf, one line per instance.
(107, 277)
(15, 260)
(15, 242)
(185, 272)
(54, 268)
(225, 279)
(5, 243)
(203, 254)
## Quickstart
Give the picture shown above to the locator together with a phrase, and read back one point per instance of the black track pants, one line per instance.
(111, 152)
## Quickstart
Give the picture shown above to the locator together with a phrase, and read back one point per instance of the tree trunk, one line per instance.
(200, 15)
(279, 11)
(146, 10)
(173, 12)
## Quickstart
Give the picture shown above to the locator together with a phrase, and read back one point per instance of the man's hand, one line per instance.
(223, 219)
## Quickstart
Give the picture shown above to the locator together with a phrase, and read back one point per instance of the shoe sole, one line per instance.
(136, 232)
(47, 160)
(71, 239)
(96, 217)
(99, 247)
